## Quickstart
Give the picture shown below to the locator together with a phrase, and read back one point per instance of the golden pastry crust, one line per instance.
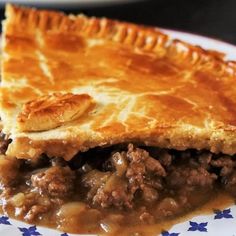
(51, 111)
(147, 88)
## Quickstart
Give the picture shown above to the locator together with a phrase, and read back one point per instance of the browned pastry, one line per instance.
(52, 111)
(145, 87)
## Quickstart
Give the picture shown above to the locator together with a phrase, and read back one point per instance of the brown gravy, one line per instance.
(218, 201)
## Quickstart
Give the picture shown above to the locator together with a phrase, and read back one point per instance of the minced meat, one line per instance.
(140, 184)
(55, 181)
(136, 166)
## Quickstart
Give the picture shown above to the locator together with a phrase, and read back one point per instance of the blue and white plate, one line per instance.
(221, 222)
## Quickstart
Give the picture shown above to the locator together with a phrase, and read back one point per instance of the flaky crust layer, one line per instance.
(146, 88)
(51, 111)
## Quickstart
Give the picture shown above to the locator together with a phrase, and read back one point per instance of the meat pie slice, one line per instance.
(110, 125)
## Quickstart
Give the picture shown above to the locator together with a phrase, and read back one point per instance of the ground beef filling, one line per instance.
(106, 186)
(55, 181)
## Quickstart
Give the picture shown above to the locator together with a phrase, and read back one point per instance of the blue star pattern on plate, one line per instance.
(166, 233)
(223, 214)
(199, 225)
(4, 220)
(31, 231)
(194, 226)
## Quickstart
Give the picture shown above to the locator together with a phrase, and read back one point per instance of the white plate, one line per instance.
(205, 42)
(221, 223)
(67, 3)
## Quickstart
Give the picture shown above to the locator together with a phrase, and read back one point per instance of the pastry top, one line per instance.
(51, 111)
(70, 83)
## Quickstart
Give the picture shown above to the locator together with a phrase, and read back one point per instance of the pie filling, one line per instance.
(108, 189)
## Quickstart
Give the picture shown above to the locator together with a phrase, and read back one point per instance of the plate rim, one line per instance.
(68, 3)
(208, 39)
